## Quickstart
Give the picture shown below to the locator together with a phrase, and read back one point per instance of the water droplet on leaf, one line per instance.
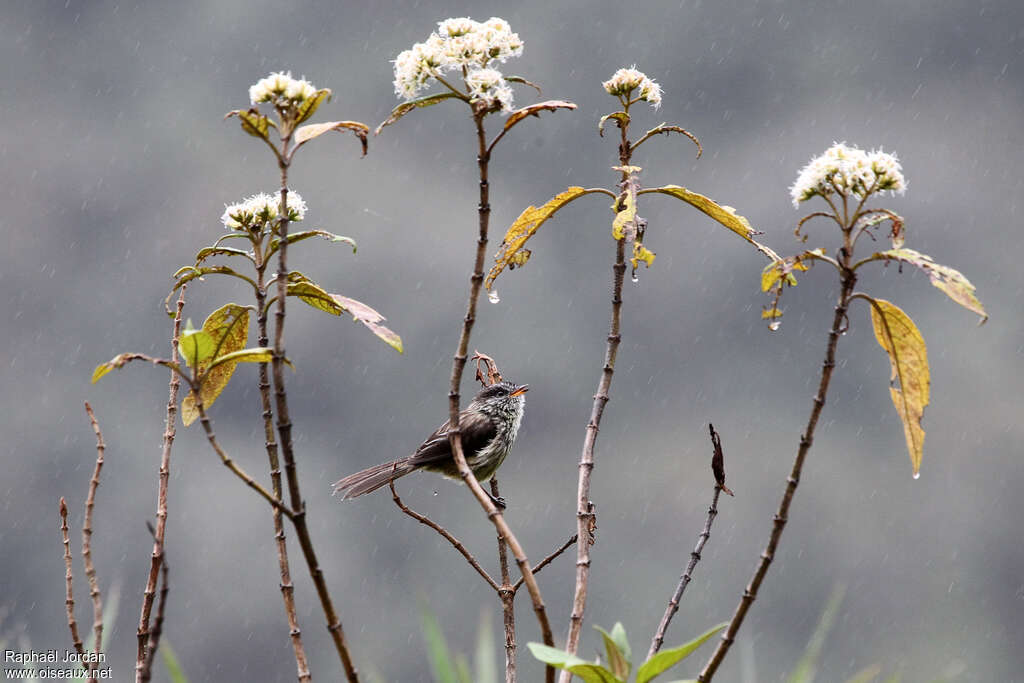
(435, 493)
(917, 475)
(635, 278)
(493, 297)
(774, 325)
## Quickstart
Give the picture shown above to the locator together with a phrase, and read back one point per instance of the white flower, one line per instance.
(489, 85)
(624, 81)
(253, 213)
(459, 43)
(279, 88)
(848, 171)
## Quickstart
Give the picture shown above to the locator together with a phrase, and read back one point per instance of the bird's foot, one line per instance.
(498, 501)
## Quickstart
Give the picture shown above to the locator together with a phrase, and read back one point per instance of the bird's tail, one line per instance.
(372, 478)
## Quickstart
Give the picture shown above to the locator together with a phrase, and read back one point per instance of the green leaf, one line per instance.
(486, 671)
(196, 346)
(253, 122)
(406, 107)
(908, 356)
(228, 328)
(807, 667)
(525, 226)
(315, 297)
(275, 243)
(866, 675)
(535, 110)
(259, 354)
(725, 215)
(186, 274)
(560, 659)
(665, 659)
(360, 312)
(441, 663)
(315, 130)
(171, 663)
(952, 282)
(616, 647)
(309, 107)
(620, 117)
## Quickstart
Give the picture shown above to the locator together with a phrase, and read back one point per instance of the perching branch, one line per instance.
(90, 569)
(505, 593)
(69, 597)
(158, 622)
(718, 469)
(157, 556)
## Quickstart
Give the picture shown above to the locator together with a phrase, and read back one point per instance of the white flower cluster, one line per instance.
(848, 171)
(279, 88)
(625, 81)
(458, 44)
(253, 213)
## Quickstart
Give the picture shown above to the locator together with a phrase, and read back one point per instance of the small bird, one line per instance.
(489, 425)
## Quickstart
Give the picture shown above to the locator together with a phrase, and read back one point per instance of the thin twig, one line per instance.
(458, 364)
(506, 593)
(456, 543)
(849, 279)
(585, 517)
(158, 621)
(297, 513)
(69, 597)
(284, 568)
(548, 560)
(90, 569)
(161, 504)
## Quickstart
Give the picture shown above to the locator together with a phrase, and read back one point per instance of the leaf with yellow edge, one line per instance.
(535, 110)
(624, 225)
(641, 253)
(524, 228)
(360, 312)
(253, 122)
(311, 104)
(949, 280)
(228, 327)
(908, 355)
(725, 215)
(315, 297)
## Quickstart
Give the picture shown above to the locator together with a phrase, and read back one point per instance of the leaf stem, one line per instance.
(90, 569)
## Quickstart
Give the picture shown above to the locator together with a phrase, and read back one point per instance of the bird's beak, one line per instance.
(520, 390)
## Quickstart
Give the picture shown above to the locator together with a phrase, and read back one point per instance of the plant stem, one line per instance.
(287, 587)
(458, 364)
(157, 556)
(69, 597)
(585, 516)
(158, 622)
(90, 569)
(684, 580)
(284, 430)
(848, 280)
(507, 594)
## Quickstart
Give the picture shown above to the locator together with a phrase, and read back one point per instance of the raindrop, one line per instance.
(635, 278)
(435, 493)
(917, 475)
(774, 325)
(493, 297)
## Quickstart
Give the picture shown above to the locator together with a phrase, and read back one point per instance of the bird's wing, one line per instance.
(477, 432)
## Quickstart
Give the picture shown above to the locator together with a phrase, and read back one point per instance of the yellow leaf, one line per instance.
(524, 228)
(725, 215)
(228, 326)
(641, 253)
(315, 297)
(908, 355)
(949, 280)
(626, 217)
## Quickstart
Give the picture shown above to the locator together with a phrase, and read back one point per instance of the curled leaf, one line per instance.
(315, 130)
(406, 107)
(624, 224)
(524, 227)
(371, 318)
(228, 329)
(664, 129)
(275, 243)
(207, 252)
(523, 81)
(952, 282)
(620, 117)
(784, 267)
(535, 110)
(253, 122)
(910, 379)
(311, 104)
(641, 254)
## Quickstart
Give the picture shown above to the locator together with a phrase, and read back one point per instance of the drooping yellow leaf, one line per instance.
(316, 297)
(771, 313)
(524, 228)
(641, 253)
(780, 268)
(908, 355)
(725, 215)
(228, 327)
(949, 280)
(360, 312)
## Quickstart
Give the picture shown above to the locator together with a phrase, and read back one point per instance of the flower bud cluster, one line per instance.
(848, 171)
(625, 81)
(254, 213)
(459, 44)
(281, 90)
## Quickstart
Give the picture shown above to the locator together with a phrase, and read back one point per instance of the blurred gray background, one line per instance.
(116, 168)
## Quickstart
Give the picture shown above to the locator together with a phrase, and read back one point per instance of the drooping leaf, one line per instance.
(525, 226)
(617, 650)
(535, 110)
(316, 297)
(620, 117)
(780, 268)
(371, 318)
(665, 659)
(951, 281)
(641, 253)
(771, 313)
(725, 215)
(406, 107)
(311, 104)
(188, 273)
(122, 359)
(253, 122)
(665, 129)
(908, 355)
(228, 327)
(520, 79)
(560, 659)
(275, 243)
(207, 252)
(315, 130)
